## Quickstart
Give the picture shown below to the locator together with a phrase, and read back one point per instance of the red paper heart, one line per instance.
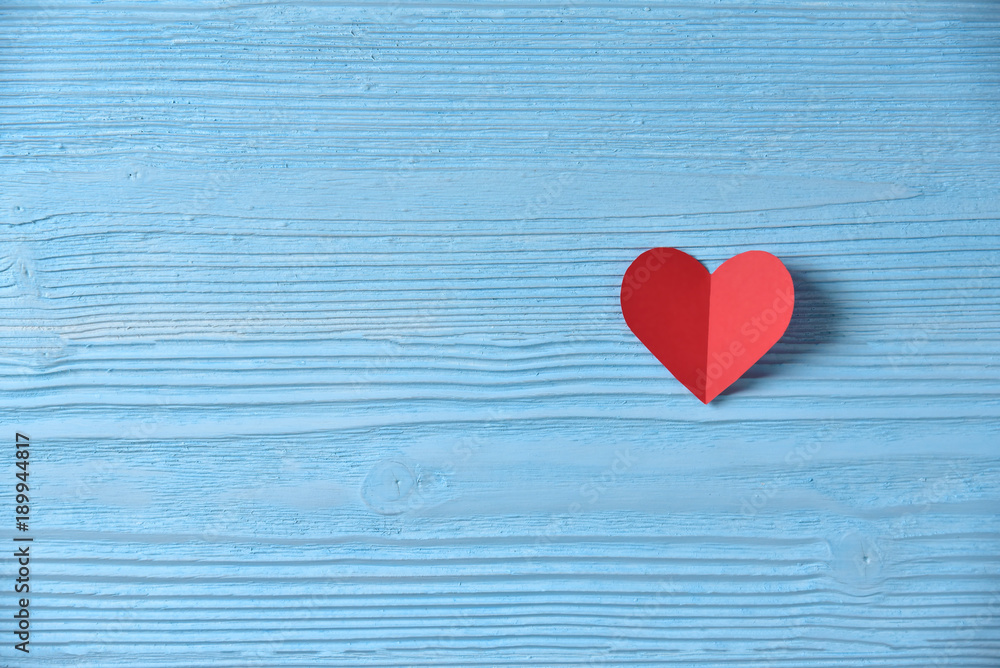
(707, 329)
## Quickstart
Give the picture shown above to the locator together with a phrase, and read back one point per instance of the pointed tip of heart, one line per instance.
(705, 390)
(704, 394)
(705, 397)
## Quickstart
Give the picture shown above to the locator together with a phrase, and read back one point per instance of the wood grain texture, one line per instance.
(311, 313)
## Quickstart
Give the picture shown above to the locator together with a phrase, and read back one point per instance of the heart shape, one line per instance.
(707, 329)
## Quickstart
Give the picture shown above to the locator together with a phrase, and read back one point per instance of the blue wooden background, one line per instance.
(311, 314)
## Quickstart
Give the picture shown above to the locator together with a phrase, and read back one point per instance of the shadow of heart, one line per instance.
(814, 323)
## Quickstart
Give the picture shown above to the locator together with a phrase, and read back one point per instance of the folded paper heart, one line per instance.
(707, 329)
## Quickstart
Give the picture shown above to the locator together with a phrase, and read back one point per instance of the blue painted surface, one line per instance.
(311, 315)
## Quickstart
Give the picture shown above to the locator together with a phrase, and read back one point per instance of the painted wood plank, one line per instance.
(312, 319)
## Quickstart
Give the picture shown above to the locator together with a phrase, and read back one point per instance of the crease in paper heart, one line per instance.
(707, 329)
